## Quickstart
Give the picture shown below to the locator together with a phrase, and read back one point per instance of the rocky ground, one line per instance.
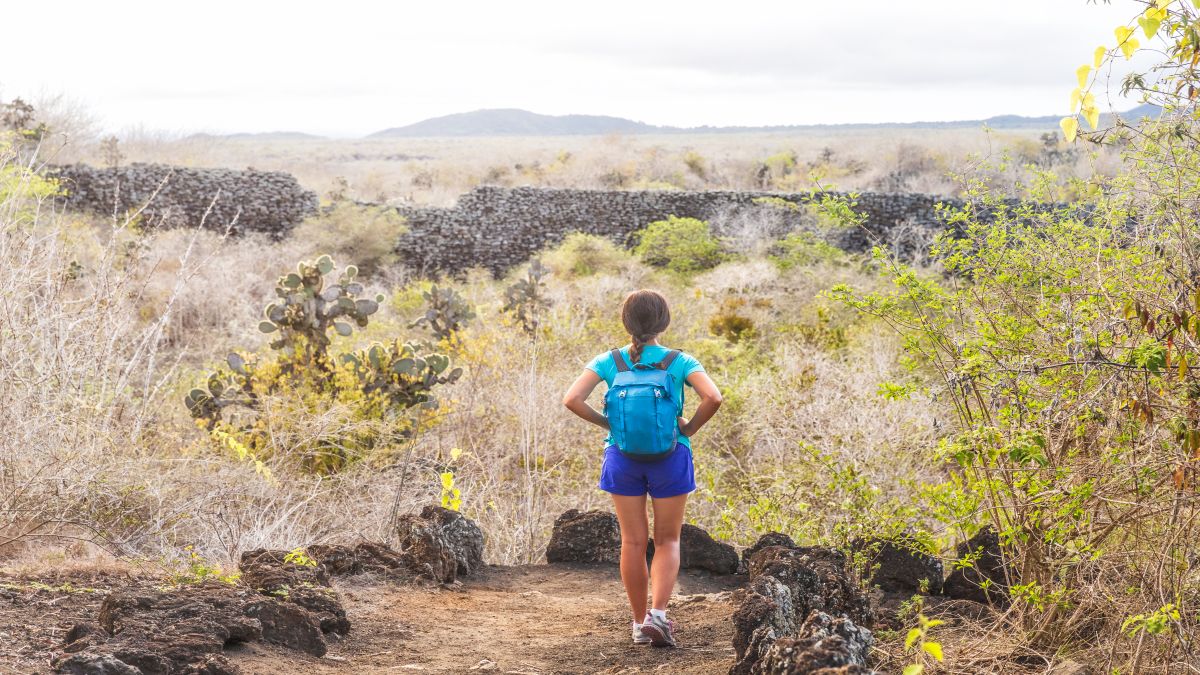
(537, 619)
(431, 604)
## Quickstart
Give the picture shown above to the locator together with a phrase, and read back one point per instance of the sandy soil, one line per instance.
(536, 620)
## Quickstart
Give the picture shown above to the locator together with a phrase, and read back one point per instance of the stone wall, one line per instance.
(498, 228)
(269, 202)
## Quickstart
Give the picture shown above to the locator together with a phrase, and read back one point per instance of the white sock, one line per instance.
(658, 614)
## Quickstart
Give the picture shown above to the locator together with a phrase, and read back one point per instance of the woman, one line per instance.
(667, 479)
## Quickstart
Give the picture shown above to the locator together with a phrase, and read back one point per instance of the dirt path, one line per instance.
(537, 619)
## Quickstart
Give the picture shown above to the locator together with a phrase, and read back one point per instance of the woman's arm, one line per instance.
(710, 400)
(576, 399)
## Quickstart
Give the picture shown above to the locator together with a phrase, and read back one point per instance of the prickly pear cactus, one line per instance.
(402, 373)
(446, 312)
(526, 298)
(310, 304)
(223, 389)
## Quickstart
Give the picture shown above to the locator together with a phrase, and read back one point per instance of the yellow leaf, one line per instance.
(447, 480)
(1070, 127)
(1126, 41)
(1092, 115)
(934, 649)
(1100, 52)
(1082, 74)
(455, 453)
(1076, 96)
(916, 668)
(934, 623)
(1162, 4)
(913, 635)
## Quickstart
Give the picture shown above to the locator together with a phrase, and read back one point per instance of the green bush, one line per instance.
(681, 245)
(583, 255)
(801, 249)
(367, 234)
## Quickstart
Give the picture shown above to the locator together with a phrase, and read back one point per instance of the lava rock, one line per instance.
(163, 631)
(268, 571)
(698, 550)
(269, 202)
(768, 539)
(788, 585)
(288, 624)
(362, 558)
(426, 549)
(463, 534)
(967, 582)
(95, 664)
(824, 644)
(818, 577)
(900, 566)
(324, 605)
(591, 536)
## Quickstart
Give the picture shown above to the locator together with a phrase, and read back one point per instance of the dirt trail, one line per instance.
(536, 620)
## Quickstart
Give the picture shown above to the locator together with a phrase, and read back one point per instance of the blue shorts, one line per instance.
(671, 476)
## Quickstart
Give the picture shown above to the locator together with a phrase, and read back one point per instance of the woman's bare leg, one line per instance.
(668, 521)
(635, 530)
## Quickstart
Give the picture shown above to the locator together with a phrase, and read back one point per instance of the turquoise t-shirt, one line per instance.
(683, 366)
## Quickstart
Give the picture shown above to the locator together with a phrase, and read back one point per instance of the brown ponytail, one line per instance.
(646, 315)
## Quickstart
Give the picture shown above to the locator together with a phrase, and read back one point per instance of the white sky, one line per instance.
(353, 67)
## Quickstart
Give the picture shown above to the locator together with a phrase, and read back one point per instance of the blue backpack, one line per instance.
(641, 408)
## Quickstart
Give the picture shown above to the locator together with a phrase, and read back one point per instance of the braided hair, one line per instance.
(646, 315)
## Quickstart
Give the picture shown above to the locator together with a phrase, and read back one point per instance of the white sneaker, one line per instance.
(660, 631)
(638, 637)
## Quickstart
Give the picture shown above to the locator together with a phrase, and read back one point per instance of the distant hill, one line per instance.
(515, 122)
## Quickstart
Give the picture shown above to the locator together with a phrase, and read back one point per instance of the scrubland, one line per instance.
(435, 171)
(176, 397)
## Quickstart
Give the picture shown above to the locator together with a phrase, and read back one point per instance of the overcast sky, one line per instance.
(351, 67)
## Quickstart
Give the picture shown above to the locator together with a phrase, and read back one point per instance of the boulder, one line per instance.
(980, 562)
(162, 631)
(824, 644)
(899, 566)
(788, 586)
(365, 557)
(268, 571)
(768, 539)
(464, 536)
(95, 664)
(819, 579)
(592, 536)
(325, 606)
(699, 551)
(288, 624)
(426, 550)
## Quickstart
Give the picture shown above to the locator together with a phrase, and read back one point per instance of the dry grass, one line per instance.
(436, 170)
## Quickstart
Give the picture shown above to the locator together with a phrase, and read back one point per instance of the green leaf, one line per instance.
(343, 329)
(325, 264)
(267, 327)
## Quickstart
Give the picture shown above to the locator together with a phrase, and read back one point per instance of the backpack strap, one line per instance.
(667, 360)
(620, 361)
